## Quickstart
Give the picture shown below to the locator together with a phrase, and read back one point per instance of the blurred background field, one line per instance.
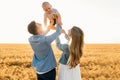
(99, 62)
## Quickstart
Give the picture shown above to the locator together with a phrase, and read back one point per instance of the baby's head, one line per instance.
(47, 7)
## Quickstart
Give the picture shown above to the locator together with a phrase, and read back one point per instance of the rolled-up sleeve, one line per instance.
(60, 46)
(51, 38)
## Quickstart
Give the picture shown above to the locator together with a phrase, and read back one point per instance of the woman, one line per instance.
(69, 68)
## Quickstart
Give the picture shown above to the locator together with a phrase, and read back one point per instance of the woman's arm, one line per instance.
(59, 45)
(66, 35)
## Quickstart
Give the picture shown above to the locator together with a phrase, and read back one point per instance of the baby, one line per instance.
(52, 14)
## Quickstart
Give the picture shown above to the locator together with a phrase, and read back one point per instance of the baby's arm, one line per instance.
(59, 18)
(45, 21)
(46, 31)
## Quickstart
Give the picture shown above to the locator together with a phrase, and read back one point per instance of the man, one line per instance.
(43, 60)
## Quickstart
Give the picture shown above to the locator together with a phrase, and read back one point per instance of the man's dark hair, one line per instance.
(32, 28)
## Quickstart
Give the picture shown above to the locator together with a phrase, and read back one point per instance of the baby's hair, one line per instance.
(45, 4)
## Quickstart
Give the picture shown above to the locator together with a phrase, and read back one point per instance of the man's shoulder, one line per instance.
(36, 37)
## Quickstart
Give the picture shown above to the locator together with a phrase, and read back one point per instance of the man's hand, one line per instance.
(59, 22)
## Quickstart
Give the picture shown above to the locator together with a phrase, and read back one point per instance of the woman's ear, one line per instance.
(69, 32)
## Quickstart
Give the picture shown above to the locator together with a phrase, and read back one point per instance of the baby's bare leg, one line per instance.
(53, 27)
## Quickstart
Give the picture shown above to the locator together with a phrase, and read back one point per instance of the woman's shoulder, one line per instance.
(65, 46)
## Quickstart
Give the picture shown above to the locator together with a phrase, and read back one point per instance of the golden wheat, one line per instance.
(99, 62)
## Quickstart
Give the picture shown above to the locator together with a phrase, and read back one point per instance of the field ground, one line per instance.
(99, 62)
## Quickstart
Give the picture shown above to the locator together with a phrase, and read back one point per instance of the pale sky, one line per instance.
(99, 19)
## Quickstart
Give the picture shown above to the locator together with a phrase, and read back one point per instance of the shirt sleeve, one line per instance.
(55, 11)
(51, 38)
(60, 46)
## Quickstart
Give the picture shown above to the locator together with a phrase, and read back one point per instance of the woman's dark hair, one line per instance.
(32, 28)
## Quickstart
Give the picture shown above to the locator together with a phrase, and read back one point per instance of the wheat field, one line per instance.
(99, 62)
